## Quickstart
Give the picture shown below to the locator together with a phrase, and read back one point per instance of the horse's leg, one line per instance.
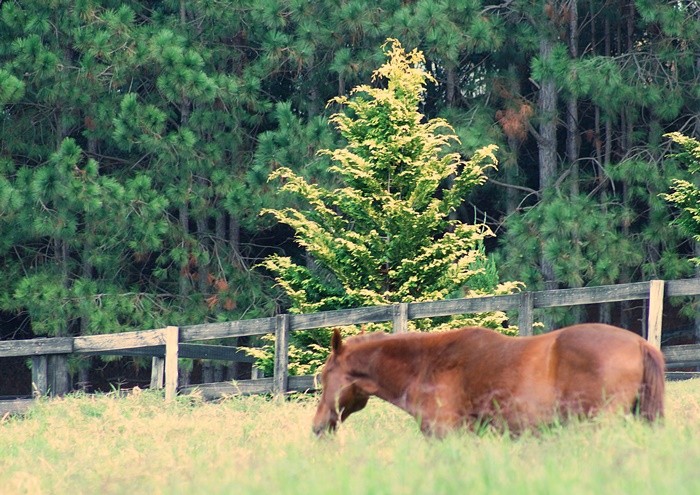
(434, 429)
(440, 423)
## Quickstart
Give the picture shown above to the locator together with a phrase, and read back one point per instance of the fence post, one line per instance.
(40, 378)
(157, 372)
(400, 318)
(57, 374)
(281, 375)
(525, 316)
(172, 337)
(656, 311)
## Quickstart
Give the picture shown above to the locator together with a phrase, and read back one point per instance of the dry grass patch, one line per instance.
(139, 444)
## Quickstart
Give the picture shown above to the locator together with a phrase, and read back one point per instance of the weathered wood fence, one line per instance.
(167, 345)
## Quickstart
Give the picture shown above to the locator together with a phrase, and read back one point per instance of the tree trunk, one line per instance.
(184, 217)
(450, 86)
(184, 376)
(510, 169)
(185, 285)
(605, 313)
(572, 130)
(547, 146)
(184, 213)
(218, 375)
(86, 274)
(547, 107)
(598, 144)
(234, 241)
(84, 375)
(626, 143)
(315, 104)
(58, 377)
(510, 164)
(607, 157)
(572, 133)
(207, 372)
(202, 269)
(341, 85)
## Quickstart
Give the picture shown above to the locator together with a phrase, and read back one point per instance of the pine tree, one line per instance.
(177, 112)
(125, 151)
(607, 63)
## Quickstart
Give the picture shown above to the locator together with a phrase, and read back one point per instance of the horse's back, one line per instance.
(597, 348)
(598, 366)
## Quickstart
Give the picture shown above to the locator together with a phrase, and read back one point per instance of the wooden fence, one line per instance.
(168, 344)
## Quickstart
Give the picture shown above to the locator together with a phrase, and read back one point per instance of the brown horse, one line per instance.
(475, 376)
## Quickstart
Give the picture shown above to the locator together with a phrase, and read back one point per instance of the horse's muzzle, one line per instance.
(321, 429)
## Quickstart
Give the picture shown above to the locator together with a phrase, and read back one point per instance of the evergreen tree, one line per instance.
(125, 152)
(174, 114)
(685, 195)
(607, 62)
(385, 235)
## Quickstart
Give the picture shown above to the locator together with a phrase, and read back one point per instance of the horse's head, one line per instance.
(342, 394)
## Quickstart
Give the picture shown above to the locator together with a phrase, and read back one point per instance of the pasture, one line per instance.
(112, 444)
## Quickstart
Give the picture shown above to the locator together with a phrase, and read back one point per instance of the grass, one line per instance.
(139, 444)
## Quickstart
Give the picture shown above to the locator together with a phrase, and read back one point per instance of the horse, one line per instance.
(475, 376)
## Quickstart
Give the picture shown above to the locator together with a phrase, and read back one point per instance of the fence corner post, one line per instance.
(281, 372)
(172, 337)
(525, 316)
(656, 311)
(399, 318)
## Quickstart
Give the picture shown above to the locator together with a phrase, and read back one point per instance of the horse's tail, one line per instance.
(651, 393)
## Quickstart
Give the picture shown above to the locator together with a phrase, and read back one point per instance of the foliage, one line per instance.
(122, 202)
(385, 234)
(181, 110)
(593, 153)
(685, 195)
(67, 201)
(578, 237)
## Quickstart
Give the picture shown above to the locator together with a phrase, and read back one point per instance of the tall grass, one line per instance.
(139, 444)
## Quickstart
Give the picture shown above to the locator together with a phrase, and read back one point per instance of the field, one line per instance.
(138, 444)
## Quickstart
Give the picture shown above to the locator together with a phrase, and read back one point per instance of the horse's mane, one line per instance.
(365, 337)
(373, 336)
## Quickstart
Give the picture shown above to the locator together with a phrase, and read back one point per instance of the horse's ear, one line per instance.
(336, 341)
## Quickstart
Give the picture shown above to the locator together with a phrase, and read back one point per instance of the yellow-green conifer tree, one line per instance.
(385, 235)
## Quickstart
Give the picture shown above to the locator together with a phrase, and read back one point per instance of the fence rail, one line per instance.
(167, 345)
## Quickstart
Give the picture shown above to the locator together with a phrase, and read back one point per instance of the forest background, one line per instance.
(137, 138)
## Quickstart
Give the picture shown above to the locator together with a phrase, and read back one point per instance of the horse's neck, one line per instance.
(381, 377)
